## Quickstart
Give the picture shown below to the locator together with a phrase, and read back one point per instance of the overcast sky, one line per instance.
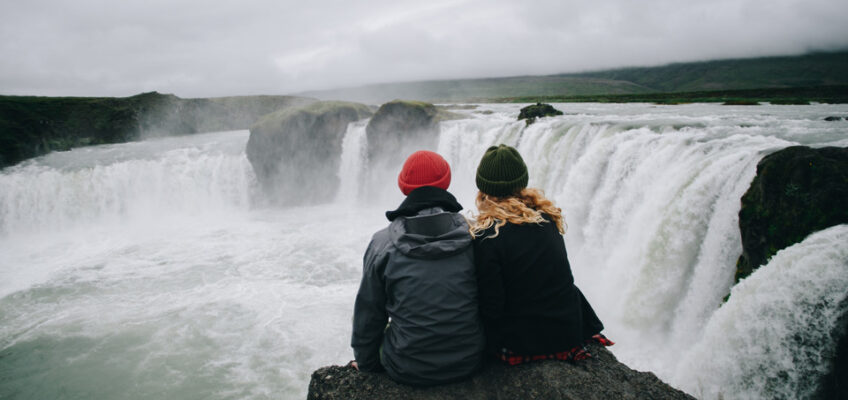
(241, 47)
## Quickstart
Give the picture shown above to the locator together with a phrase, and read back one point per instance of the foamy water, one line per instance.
(154, 269)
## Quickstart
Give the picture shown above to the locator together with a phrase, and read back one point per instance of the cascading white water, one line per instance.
(773, 338)
(137, 180)
(354, 152)
(147, 270)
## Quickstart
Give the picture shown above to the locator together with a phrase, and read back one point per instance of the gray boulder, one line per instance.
(797, 191)
(400, 127)
(396, 130)
(296, 152)
(601, 377)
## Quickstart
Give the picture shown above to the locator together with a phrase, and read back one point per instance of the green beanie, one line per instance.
(501, 172)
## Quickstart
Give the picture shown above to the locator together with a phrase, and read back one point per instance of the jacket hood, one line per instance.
(423, 198)
(432, 234)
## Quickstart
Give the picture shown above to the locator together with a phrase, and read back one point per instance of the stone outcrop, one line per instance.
(396, 130)
(601, 377)
(797, 191)
(538, 110)
(400, 127)
(296, 152)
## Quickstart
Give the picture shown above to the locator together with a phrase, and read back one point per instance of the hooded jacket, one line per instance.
(416, 312)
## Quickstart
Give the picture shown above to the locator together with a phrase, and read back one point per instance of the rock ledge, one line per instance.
(601, 377)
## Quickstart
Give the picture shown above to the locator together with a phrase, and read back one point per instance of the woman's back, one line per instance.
(530, 306)
(527, 293)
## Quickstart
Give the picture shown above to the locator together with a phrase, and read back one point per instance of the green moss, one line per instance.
(741, 103)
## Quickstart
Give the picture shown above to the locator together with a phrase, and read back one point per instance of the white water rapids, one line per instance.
(154, 269)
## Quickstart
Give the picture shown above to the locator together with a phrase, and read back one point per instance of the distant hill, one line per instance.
(816, 69)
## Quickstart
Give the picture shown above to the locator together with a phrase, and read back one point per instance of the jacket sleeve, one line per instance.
(369, 312)
(490, 287)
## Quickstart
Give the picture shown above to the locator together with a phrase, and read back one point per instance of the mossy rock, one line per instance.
(538, 110)
(401, 127)
(296, 152)
(797, 191)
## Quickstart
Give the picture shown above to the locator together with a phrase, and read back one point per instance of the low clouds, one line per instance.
(199, 48)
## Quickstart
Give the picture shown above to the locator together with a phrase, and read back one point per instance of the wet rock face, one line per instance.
(601, 377)
(797, 191)
(401, 127)
(295, 153)
(538, 110)
(398, 129)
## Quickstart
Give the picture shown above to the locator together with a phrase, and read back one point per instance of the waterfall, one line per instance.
(353, 156)
(774, 337)
(162, 254)
(652, 213)
(120, 182)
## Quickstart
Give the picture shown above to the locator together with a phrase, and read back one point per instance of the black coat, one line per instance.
(528, 300)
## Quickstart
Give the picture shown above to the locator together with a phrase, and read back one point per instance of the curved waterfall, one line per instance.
(153, 269)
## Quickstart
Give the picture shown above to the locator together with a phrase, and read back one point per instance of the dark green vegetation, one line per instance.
(600, 377)
(817, 69)
(797, 191)
(712, 79)
(795, 95)
(538, 110)
(301, 148)
(32, 126)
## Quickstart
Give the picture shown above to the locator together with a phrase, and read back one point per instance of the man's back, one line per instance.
(419, 272)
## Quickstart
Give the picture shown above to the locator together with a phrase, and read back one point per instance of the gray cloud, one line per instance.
(202, 48)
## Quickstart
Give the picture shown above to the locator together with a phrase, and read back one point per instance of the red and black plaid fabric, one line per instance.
(601, 339)
(575, 354)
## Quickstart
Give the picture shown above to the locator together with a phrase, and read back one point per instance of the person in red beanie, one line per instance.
(416, 314)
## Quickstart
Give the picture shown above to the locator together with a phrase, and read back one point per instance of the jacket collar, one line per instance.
(423, 198)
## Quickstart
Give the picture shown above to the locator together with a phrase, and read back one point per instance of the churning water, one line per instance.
(155, 269)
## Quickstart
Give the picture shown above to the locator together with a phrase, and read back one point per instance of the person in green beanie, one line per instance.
(530, 307)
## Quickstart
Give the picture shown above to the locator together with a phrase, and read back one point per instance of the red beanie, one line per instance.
(424, 168)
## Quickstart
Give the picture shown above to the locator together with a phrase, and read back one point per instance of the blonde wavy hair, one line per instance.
(527, 206)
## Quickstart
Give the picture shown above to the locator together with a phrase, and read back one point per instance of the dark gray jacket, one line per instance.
(419, 273)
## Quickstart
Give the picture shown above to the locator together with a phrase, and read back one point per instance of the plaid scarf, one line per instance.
(575, 354)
